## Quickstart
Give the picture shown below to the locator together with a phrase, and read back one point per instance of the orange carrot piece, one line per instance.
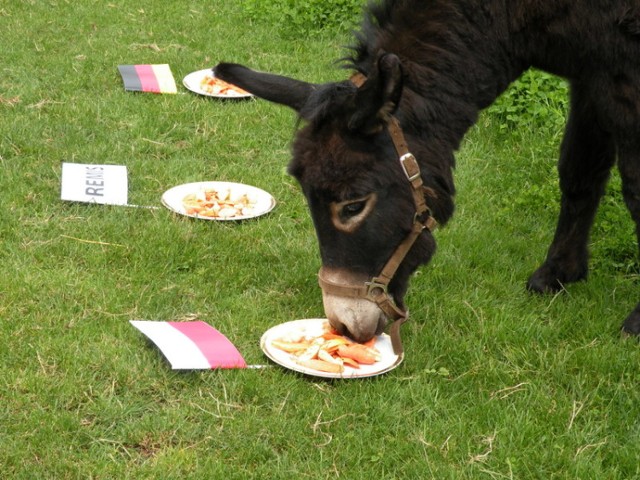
(331, 336)
(358, 352)
(349, 362)
(371, 343)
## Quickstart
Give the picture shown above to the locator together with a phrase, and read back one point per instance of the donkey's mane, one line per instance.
(377, 16)
(434, 41)
(329, 100)
(431, 52)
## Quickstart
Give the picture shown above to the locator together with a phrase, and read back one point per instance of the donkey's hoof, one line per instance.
(631, 325)
(550, 278)
(544, 280)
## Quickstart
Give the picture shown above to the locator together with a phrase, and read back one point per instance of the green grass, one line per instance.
(496, 383)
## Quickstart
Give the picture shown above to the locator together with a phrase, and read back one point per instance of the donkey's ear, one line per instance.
(275, 88)
(379, 96)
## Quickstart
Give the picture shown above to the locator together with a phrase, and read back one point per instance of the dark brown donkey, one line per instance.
(422, 70)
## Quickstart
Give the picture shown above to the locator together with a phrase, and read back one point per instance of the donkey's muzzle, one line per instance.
(348, 308)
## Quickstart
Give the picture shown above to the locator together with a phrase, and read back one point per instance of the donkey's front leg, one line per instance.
(586, 157)
(629, 166)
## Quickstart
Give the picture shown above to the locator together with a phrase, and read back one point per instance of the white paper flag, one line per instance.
(103, 184)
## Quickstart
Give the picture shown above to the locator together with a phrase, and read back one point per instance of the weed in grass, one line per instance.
(293, 18)
(537, 100)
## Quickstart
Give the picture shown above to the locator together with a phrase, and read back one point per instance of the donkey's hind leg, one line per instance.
(586, 157)
(629, 166)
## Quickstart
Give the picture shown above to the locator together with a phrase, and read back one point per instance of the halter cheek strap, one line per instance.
(376, 290)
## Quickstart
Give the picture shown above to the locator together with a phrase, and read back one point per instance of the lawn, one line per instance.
(496, 383)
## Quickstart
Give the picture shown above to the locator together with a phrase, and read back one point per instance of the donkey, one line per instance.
(375, 153)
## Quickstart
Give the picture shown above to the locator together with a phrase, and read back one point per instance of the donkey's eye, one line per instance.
(352, 209)
(347, 216)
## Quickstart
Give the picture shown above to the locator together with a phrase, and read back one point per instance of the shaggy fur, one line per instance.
(435, 64)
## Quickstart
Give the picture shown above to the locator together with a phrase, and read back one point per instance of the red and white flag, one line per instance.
(192, 345)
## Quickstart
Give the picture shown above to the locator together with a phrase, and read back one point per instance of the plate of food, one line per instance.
(204, 82)
(218, 200)
(312, 347)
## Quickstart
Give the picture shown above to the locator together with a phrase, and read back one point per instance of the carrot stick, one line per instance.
(359, 353)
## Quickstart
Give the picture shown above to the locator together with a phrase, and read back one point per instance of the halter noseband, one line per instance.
(376, 290)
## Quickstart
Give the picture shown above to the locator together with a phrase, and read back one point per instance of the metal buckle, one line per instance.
(374, 284)
(408, 157)
(424, 218)
(418, 221)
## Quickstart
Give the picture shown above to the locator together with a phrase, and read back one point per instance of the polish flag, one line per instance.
(191, 345)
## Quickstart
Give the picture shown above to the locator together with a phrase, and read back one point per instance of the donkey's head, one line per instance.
(359, 195)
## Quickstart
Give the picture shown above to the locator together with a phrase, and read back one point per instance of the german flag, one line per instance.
(148, 78)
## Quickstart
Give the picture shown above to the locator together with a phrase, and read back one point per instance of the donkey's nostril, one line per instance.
(353, 334)
(338, 326)
(347, 328)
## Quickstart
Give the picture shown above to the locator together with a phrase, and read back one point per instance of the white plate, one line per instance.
(192, 82)
(173, 198)
(313, 327)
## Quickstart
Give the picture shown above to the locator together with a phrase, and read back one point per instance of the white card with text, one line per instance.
(103, 184)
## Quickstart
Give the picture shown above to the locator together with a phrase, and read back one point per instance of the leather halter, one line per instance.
(376, 290)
